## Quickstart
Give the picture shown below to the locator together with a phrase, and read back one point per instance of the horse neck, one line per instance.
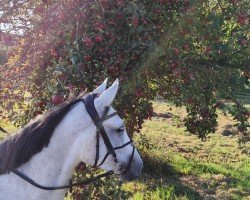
(54, 165)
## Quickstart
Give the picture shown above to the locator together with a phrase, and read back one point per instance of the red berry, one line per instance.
(36, 113)
(120, 2)
(176, 73)
(174, 65)
(135, 22)
(176, 90)
(111, 69)
(186, 2)
(39, 10)
(57, 99)
(63, 77)
(54, 53)
(157, 11)
(87, 58)
(112, 22)
(45, 1)
(40, 104)
(70, 86)
(233, 1)
(176, 51)
(88, 42)
(100, 50)
(105, 61)
(241, 19)
(161, 1)
(243, 42)
(158, 27)
(116, 69)
(183, 32)
(186, 47)
(138, 93)
(120, 16)
(189, 100)
(99, 26)
(98, 38)
(80, 65)
(144, 21)
(208, 48)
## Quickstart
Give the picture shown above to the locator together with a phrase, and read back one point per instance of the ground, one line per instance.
(180, 166)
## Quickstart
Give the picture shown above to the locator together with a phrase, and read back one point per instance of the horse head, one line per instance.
(111, 149)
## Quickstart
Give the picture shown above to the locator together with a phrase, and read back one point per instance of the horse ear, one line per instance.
(101, 88)
(108, 96)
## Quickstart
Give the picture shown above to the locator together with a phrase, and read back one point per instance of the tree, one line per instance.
(193, 53)
(139, 42)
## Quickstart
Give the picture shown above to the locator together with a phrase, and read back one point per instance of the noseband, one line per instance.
(90, 107)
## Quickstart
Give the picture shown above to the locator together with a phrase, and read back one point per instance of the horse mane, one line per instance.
(30, 140)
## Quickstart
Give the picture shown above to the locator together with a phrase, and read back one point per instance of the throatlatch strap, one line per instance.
(97, 147)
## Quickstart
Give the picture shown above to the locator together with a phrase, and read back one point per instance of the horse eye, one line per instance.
(119, 130)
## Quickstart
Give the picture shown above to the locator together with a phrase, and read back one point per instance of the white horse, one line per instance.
(49, 148)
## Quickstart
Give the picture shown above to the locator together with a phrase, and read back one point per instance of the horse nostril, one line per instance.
(120, 168)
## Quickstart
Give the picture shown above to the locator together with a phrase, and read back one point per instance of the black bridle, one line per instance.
(90, 107)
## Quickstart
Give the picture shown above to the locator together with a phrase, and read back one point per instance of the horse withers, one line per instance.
(49, 148)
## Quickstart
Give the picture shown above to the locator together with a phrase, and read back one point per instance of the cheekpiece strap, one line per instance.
(90, 107)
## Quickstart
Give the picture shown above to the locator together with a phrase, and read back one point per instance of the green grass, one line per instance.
(244, 98)
(180, 166)
(8, 127)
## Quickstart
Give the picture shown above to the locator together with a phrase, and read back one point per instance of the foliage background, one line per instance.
(193, 53)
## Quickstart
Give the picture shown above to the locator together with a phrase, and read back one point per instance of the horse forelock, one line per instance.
(18, 149)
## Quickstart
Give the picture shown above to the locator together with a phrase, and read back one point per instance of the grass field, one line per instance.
(180, 166)
(244, 98)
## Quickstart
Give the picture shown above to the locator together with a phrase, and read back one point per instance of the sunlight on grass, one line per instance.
(10, 128)
(217, 165)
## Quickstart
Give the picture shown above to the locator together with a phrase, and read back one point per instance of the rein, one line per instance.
(69, 186)
(3, 130)
(90, 107)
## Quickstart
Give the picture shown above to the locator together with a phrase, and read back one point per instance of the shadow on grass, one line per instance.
(163, 115)
(158, 173)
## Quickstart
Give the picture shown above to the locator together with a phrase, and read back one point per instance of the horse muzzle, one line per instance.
(133, 172)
